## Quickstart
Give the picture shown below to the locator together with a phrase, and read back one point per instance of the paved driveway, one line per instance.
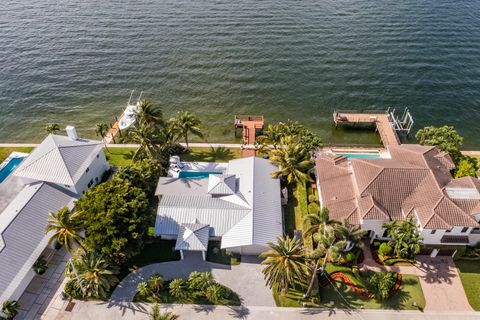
(245, 279)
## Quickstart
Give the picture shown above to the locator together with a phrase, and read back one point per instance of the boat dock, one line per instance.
(250, 125)
(387, 124)
(112, 133)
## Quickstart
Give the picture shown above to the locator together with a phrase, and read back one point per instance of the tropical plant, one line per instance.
(101, 129)
(94, 274)
(66, 226)
(72, 289)
(379, 284)
(405, 237)
(317, 222)
(143, 174)
(215, 292)
(328, 246)
(116, 218)
(284, 263)
(292, 160)
(149, 114)
(155, 314)
(144, 289)
(149, 138)
(467, 166)
(385, 249)
(52, 128)
(10, 308)
(40, 266)
(270, 137)
(156, 282)
(178, 288)
(185, 122)
(313, 208)
(352, 234)
(445, 138)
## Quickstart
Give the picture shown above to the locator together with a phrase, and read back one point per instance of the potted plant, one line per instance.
(40, 266)
(10, 309)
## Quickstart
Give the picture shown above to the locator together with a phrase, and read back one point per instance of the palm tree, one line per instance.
(52, 128)
(101, 129)
(406, 240)
(94, 275)
(148, 137)
(178, 288)
(270, 137)
(328, 247)
(317, 222)
(352, 234)
(186, 123)
(156, 282)
(10, 309)
(284, 263)
(292, 160)
(149, 114)
(379, 284)
(156, 315)
(66, 227)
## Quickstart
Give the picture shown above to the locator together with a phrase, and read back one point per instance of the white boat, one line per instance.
(129, 115)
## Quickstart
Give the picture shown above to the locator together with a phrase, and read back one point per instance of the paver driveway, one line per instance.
(245, 279)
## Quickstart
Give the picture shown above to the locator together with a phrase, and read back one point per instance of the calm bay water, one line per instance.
(75, 62)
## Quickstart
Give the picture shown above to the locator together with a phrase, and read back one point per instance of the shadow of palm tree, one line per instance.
(219, 153)
(206, 308)
(240, 312)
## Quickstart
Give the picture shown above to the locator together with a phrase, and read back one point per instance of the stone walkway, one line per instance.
(245, 279)
(43, 290)
(441, 284)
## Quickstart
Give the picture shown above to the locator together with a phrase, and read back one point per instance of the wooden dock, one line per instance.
(250, 125)
(112, 133)
(381, 120)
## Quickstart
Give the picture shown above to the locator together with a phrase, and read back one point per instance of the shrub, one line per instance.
(350, 257)
(313, 208)
(155, 283)
(10, 308)
(312, 198)
(200, 281)
(144, 289)
(379, 284)
(73, 290)
(384, 249)
(178, 288)
(40, 266)
(215, 293)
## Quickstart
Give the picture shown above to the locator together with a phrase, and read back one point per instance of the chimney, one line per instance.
(71, 133)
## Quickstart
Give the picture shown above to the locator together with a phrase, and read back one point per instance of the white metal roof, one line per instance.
(193, 236)
(22, 231)
(59, 159)
(222, 184)
(252, 215)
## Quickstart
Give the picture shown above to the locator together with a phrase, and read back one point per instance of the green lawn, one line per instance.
(5, 151)
(339, 295)
(219, 154)
(120, 157)
(470, 274)
(156, 250)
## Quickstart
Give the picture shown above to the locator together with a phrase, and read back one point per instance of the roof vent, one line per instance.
(71, 133)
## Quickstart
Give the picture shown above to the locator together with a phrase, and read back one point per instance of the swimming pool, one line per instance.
(9, 167)
(360, 155)
(195, 174)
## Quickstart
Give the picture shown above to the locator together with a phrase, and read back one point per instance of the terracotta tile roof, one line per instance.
(413, 181)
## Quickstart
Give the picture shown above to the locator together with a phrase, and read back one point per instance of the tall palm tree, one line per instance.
(101, 129)
(95, 275)
(317, 222)
(149, 138)
(156, 315)
(271, 137)
(66, 227)
(284, 263)
(405, 237)
(149, 114)
(186, 123)
(292, 160)
(52, 128)
(328, 247)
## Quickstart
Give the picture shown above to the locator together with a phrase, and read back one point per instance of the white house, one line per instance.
(52, 177)
(241, 207)
(416, 181)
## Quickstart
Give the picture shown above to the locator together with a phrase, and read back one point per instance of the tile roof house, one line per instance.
(241, 207)
(50, 178)
(416, 181)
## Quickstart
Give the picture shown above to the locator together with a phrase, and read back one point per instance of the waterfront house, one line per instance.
(241, 207)
(416, 181)
(53, 176)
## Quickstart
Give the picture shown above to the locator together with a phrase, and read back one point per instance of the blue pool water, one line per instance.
(195, 174)
(360, 155)
(11, 165)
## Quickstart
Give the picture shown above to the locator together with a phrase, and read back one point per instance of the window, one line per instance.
(433, 231)
(464, 230)
(88, 169)
(449, 230)
(98, 155)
